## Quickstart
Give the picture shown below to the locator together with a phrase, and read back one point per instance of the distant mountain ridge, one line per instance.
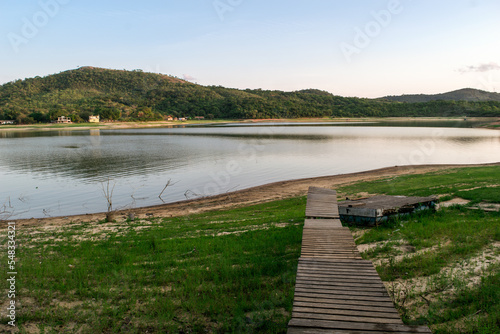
(141, 96)
(466, 94)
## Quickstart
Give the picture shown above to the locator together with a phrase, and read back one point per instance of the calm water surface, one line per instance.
(62, 172)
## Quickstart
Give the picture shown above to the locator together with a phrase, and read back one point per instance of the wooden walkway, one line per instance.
(336, 291)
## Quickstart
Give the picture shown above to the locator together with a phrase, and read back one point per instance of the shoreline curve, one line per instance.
(249, 196)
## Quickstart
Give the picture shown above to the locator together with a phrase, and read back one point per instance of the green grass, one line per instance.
(452, 182)
(179, 275)
(489, 194)
(479, 308)
(453, 232)
(435, 242)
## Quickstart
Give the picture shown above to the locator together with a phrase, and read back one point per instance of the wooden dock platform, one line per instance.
(375, 209)
(336, 291)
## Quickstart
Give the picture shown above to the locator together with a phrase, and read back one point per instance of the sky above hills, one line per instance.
(364, 48)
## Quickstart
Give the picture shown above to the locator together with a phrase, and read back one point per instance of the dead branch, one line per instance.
(193, 194)
(169, 183)
(108, 194)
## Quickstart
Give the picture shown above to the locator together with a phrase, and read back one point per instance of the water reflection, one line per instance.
(60, 171)
(121, 153)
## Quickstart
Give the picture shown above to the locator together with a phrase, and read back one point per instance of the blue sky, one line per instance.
(365, 48)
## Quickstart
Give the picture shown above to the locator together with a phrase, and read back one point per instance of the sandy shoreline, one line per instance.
(490, 123)
(254, 195)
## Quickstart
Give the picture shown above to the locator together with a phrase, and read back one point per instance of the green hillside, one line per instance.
(466, 94)
(135, 95)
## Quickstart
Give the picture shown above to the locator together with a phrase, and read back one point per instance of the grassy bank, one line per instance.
(441, 268)
(229, 271)
(234, 270)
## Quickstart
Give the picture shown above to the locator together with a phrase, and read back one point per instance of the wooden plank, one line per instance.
(352, 278)
(321, 191)
(342, 292)
(345, 286)
(327, 235)
(345, 325)
(321, 244)
(332, 256)
(343, 297)
(325, 224)
(306, 278)
(357, 262)
(309, 279)
(345, 263)
(321, 267)
(324, 248)
(331, 252)
(329, 240)
(305, 330)
(344, 302)
(339, 317)
(382, 311)
(338, 262)
(315, 213)
(338, 271)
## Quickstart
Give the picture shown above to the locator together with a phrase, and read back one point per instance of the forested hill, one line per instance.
(135, 95)
(466, 94)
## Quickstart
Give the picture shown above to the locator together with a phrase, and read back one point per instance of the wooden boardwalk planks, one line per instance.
(336, 291)
(322, 203)
(322, 224)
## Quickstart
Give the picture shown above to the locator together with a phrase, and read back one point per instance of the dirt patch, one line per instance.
(7, 329)
(415, 294)
(367, 247)
(358, 233)
(489, 206)
(65, 304)
(454, 201)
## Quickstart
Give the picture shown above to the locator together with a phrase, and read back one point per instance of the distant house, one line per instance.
(63, 119)
(5, 122)
(199, 117)
(182, 119)
(169, 118)
(94, 119)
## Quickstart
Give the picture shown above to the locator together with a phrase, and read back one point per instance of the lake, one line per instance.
(63, 172)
